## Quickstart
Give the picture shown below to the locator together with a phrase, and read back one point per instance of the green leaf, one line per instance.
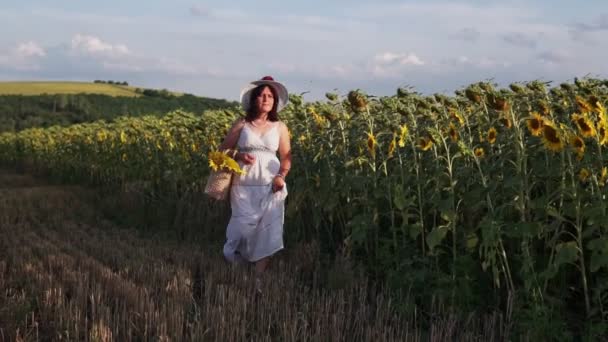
(399, 198)
(448, 215)
(598, 260)
(472, 241)
(359, 226)
(523, 229)
(434, 238)
(415, 230)
(567, 252)
(600, 244)
(551, 211)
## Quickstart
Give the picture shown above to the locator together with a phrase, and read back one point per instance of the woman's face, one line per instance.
(264, 101)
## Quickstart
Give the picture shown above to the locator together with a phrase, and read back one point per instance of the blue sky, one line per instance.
(214, 48)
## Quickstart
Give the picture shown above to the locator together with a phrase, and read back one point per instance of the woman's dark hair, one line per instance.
(252, 111)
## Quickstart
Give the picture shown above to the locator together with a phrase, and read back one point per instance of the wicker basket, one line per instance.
(218, 184)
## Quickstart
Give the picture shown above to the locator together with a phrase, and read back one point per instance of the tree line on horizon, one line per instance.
(18, 112)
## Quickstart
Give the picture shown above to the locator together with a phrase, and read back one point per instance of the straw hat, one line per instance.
(266, 80)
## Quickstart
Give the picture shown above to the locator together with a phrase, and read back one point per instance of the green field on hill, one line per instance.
(39, 88)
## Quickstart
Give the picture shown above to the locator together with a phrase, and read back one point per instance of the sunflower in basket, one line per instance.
(219, 160)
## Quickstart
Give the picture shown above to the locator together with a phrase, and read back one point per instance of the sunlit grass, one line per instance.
(39, 88)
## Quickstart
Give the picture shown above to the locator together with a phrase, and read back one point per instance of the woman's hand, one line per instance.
(246, 158)
(278, 183)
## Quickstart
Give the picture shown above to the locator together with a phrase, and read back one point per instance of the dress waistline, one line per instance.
(256, 149)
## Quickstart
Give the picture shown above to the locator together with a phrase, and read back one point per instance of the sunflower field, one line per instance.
(493, 198)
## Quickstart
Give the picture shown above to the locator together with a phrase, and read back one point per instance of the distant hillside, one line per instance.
(39, 88)
(43, 104)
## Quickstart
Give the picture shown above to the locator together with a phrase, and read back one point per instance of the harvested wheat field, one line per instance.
(67, 274)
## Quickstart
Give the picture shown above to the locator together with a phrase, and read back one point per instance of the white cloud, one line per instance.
(471, 63)
(30, 49)
(23, 57)
(95, 46)
(519, 39)
(391, 58)
(200, 11)
(554, 57)
(467, 34)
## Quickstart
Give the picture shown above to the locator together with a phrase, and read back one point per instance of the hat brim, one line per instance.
(278, 87)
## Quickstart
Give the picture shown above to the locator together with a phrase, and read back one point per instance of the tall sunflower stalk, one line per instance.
(449, 158)
(578, 225)
(523, 197)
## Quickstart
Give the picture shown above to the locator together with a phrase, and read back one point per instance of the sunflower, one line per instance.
(425, 143)
(603, 133)
(319, 120)
(391, 146)
(402, 135)
(602, 112)
(473, 95)
(456, 116)
(551, 138)
(371, 144)
(506, 122)
(603, 176)
(498, 103)
(535, 124)
(544, 108)
(594, 102)
(453, 133)
(584, 124)
(220, 160)
(357, 99)
(492, 135)
(479, 152)
(584, 106)
(584, 174)
(579, 146)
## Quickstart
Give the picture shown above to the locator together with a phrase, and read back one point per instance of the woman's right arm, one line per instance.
(232, 138)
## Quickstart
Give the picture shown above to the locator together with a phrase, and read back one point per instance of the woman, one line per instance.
(255, 230)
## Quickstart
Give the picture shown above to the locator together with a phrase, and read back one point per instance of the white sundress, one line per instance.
(255, 230)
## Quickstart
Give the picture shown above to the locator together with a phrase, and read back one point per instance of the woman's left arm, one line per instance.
(284, 157)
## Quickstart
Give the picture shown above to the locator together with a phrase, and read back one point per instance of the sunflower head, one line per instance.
(551, 138)
(582, 104)
(603, 176)
(498, 103)
(603, 116)
(473, 95)
(517, 88)
(492, 135)
(425, 143)
(403, 131)
(220, 160)
(584, 174)
(319, 119)
(453, 132)
(479, 152)
(392, 146)
(544, 107)
(506, 122)
(371, 144)
(456, 116)
(593, 101)
(578, 145)
(331, 96)
(535, 124)
(602, 133)
(584, 125)
(357, 99)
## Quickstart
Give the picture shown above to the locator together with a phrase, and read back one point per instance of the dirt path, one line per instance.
(66, 273)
